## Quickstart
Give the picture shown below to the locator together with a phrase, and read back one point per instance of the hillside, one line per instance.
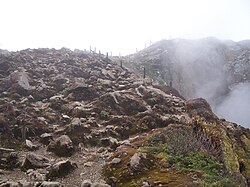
(73, 118)
(207, 68)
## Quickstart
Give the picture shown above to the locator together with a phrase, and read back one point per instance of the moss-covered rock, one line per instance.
(184, 155)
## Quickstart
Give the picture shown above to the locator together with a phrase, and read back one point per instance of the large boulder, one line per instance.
(81, 92)
(201, 108)
(123, 103)
(139, 163)
(169, 90)
(21, 83)
(61, 169)
(33, 161)
(62, 146)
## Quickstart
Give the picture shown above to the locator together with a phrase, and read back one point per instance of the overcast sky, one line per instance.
(120, 26)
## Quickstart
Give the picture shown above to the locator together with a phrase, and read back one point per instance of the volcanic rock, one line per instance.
(30, 145)
(33, 161)
(201, 108)
(62, 146)
(51, 184)
(46, 138)
(61, 169)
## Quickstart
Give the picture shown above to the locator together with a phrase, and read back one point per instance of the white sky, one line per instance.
(120, 26)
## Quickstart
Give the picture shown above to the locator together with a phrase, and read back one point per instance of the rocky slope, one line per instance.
(73, 118)
(206, 68)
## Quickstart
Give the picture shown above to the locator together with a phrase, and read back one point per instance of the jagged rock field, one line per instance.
(74, 118)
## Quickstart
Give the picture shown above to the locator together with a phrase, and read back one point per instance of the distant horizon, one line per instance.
(110, 51)
(118, 26)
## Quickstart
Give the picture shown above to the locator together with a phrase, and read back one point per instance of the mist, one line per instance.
(118, 26)
(235, 107)
(210, 78)
(212, 69)
(202, 64)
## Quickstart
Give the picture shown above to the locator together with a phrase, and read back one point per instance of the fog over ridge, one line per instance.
(209, 68)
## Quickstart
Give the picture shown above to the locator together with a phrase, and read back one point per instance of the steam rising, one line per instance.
(209, 67)
(236, 106)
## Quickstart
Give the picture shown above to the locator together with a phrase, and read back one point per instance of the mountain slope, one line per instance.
(88, 118)
(207, 68)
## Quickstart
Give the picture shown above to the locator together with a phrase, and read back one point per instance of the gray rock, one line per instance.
(21, 83)
(2, 172)
(30, 145)
(136, 159)
(61, 169)
(145, 184)
(46, 138)
(10, 184)
(139, 163)
(62, 146)
(26, 184)
(116, 161)
(32, 161)
(98, 184)
(76, 122)
(86, 183)
(51, 184)
(17, 184)
(88, 164)
(111, 142)
(36, 175)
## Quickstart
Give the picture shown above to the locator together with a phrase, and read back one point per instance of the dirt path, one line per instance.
(89, 166)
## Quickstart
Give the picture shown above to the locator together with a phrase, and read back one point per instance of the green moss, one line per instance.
(104, 114)
(197, 161)
(230, 157)
(180, 159)
(160, 148)
(243, 153)
(213, 170)
(217, 181)
(120, 171)
(170, 178)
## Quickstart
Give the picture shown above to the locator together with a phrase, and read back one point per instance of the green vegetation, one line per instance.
(104, 114)
(196, 161)
(197, 154)
(184, 152)
(210, 168)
